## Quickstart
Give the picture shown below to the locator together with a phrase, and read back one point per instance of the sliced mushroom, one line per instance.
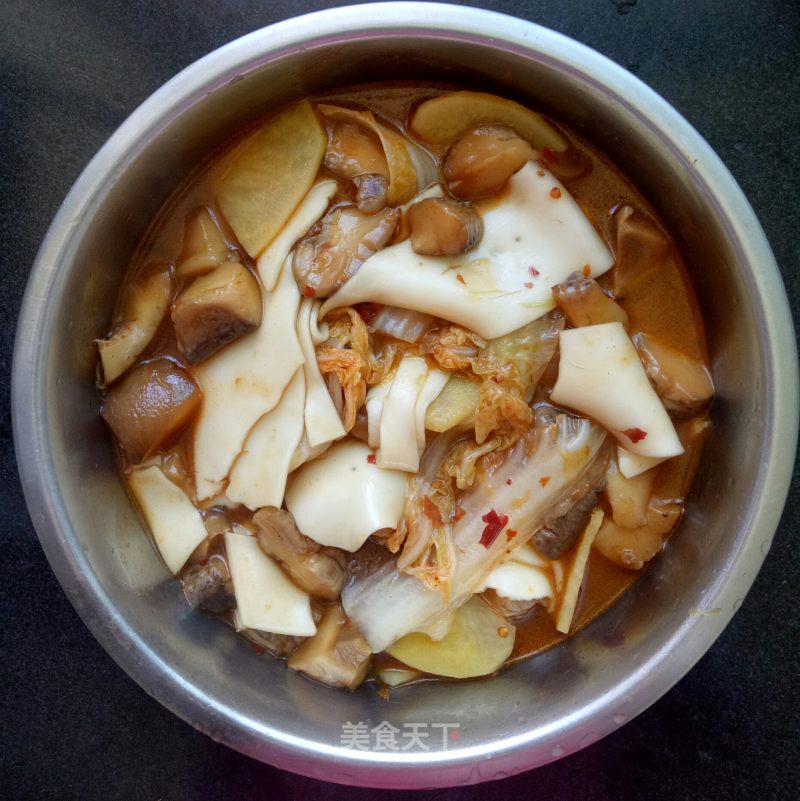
(629, 497)
(559, 535)
(337, 246)
(145, 301)
(641, 245)
(208, 586)
(584, 303)
(443, 228)
(568, 165)
(318, 570)
(353, 150)
(150, 405)
(337, 655)
(371, 192)
(482, 161)
(632, 547)
(682, 383)
(216, 309)
(204, 247)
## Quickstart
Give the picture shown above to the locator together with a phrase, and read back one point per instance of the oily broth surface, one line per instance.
(661, 303)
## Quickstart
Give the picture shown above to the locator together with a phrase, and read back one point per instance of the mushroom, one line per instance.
(337, 246)
(216, 309)
(683, 383)
(150, 405)
(640, 246)
(584, 303)
(558, 536)
(370, 192)
(356, 154)
(145, 301)
(632, 547)
(337, 655)
(482, 161)
(443, 228)
(353, 150)
(318, 570)
(208, 586)
(204, 248)
(514, 611)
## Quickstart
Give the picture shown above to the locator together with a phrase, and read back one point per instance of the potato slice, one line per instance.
(455, 404)
(402, 173)
(447, 117)
(478, 643)
(269, 174)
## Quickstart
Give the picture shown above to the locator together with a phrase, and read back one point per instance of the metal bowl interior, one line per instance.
(535, 711)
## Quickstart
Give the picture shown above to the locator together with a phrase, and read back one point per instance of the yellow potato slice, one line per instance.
(402, 174)
(478, 643)
(269, 174)
(455, 404)
(445, 118)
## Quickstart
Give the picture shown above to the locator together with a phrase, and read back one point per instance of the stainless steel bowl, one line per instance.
(533, 712)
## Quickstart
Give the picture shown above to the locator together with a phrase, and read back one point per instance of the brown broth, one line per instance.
(660, 303)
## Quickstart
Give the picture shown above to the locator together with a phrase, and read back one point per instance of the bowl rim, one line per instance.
(29, 382)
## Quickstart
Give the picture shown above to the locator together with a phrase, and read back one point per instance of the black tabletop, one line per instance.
(73, 725)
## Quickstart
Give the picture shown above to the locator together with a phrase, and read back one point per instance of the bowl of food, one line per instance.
(436, 356)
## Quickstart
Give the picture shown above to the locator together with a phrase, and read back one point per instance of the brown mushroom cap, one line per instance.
(154, 401)
(443, 228)
(216, 309)
(481, 162)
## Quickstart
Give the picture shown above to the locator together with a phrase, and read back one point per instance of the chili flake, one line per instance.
(459, 513)
(309, 291)
(509, 482)
(533, 271)
(371, 459)
(495, 523)
(460, 277)
(543, 480)
(635, 434)
(529, 284)
(259, 649)
(502, 632)
(510, 534)
(587, 270)
(368, 311)
(555, 193)
(431, 510)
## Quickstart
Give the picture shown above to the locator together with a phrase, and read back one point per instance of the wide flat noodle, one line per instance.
(243, 382)
(308, 212)
(258, 476)
(322, 421)
(533, 239)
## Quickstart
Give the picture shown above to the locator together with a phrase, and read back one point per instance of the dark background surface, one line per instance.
(73, 725)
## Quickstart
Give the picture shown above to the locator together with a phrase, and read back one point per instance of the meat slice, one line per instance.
(337, 655)
(318, 570)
